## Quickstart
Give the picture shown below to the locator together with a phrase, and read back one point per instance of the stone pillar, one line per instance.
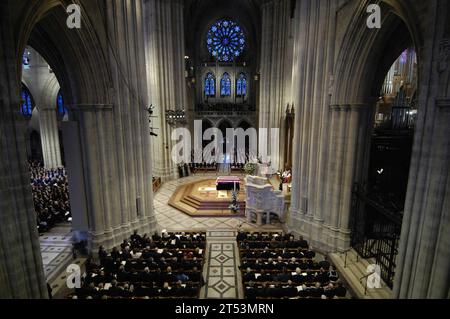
(49, 136)
(166, 76)
(44, 87)
(275, 70)
(423, 261)
(312, 80)
(21, 270)
(127, 159)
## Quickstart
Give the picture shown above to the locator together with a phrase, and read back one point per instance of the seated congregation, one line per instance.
(274, 265)
(50, 191)
(169, 265)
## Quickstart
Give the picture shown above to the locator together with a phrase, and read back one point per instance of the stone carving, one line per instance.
(262, 199)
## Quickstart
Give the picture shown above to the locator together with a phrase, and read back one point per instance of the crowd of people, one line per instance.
(169, 265)
(274, 265)
(50, 195)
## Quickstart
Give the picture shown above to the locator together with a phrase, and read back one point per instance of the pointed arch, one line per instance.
(210, 85)
(27, 102)
(241, 85)
(225, 85)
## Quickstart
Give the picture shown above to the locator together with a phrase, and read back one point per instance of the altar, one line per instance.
(228, 183)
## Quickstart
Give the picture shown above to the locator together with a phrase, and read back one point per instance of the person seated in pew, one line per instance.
(292, 264)
(286, 254)
(340, 290)
(281, 264)
(136, 239)
(241, 236)
(250, 291)
(333, 275)
(115, 254)
(249, 275)
(288, 290)
(302, 243)
(122, 275)
(269, 264)
(322, 276)
(283, 276)
(145, 275)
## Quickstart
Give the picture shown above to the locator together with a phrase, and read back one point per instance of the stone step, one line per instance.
(355, 269)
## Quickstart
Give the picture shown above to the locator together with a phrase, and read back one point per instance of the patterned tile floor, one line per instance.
(56, 251)
(221, 268)
(172, 219)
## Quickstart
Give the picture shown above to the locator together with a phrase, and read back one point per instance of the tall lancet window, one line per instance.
(241, 85)
(210, 85)
(27, 102)
(225, 85)
(60, 104)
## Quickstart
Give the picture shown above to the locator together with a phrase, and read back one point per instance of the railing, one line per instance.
(375, 233)
(365, 277)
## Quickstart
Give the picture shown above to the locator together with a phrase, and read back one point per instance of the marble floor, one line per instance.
(174, 220)
(221, 267)
(56, 252)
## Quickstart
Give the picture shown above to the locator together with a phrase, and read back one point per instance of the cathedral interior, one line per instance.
(225, 149)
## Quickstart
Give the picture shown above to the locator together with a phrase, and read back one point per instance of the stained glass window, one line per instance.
(241, 85)
(210, 85)
(25, 61)
(225, 40)
(60, 104)
(225, 85)
(27, 102)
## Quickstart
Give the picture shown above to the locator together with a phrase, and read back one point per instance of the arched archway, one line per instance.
(114, 173)
(360, 73)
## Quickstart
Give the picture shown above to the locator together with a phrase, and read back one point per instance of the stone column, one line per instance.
(129, 154)
(44, 87)
(275, 70)
(312, 80)
(166, 77)
(49, 136)
(21, 270)
(423, 261)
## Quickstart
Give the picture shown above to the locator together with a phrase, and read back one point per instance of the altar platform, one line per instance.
(203, 199)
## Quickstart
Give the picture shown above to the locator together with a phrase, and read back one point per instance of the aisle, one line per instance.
(221, 272)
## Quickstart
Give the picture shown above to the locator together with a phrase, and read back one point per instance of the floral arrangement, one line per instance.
(250, 168)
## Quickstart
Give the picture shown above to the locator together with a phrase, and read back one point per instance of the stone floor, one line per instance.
(221, 268)
(173, 220)
(56, 251)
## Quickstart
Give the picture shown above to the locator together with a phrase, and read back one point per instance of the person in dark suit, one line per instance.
(283, 276)
(325, 264)
(102, 253)
(340, 290)
(241, 236)
(250, 291)
(249, 275)
(136, 239)
(302, 243)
